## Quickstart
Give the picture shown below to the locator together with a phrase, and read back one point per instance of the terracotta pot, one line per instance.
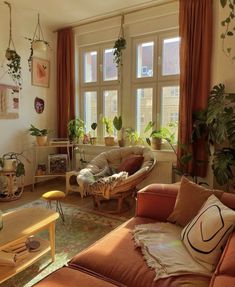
(156, 143)
(121, 142)
(41, 140)
(109, 141)
(93, 140)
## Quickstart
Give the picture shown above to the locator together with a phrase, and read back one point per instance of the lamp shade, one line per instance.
(39, 46)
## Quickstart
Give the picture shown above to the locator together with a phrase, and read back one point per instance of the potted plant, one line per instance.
(117, 122)
(133, 137)
(109, 140)
(93, 138)
(11, 161)
(41, 135)
(76, 130)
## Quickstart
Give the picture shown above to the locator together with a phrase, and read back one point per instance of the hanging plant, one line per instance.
(227, 24)
(119, 46)
(37, 42)
(14, 60)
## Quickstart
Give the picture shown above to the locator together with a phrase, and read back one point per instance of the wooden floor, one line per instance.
(57, 184)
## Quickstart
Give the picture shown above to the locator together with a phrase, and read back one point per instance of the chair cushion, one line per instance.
(53, 195)
(190, 199)
(131, 164)
(206, 235)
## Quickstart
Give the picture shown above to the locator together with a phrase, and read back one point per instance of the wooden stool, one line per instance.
(57, 196)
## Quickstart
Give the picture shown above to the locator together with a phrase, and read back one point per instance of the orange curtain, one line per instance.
(195, 21)
(65, 80)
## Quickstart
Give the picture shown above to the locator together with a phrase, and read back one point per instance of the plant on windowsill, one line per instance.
(76, 130)
(41, 135)
(227, 25)
(117, 122)
(108, 140)
(93, 138)
(133, 137)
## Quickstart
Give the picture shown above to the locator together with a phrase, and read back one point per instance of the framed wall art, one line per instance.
(40, 72)
(9, 102)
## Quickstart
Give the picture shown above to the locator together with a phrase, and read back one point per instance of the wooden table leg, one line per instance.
(52, 239)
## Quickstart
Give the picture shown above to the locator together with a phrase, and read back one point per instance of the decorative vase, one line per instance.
(109, 141)
(9, 164)
(93, 140)
(156, 143)
(41, 140)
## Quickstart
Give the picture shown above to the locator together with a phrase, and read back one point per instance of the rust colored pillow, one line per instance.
(189, 201)
(131, 164)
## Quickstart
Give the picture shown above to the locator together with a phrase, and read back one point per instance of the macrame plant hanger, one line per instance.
(8, 54)
(38, 31)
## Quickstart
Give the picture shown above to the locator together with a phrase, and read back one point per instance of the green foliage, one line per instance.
(119, 46)
(108, 125)
(228, 26)
(14, 66)
(117, 122)
(76, 129)
(37, 132)
(133, 136)
(94, 126)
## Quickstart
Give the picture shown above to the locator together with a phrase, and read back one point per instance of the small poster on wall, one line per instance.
(39, 105)
(40, 72)
(9, 102)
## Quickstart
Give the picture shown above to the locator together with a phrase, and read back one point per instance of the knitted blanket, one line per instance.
(164, 251)
(105, 185)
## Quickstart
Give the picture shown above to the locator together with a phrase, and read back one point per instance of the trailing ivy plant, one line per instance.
(119, 46)
(14, 67)
(229, 27)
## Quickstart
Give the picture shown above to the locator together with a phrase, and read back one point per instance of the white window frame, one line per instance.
(99, 86)
(158, 80)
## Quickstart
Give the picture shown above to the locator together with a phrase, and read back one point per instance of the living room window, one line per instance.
(99, 89)
(155, 80)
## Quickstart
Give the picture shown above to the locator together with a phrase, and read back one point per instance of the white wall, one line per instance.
(13, 132)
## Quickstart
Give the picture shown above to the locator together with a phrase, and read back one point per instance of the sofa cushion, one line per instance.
(208, 232)
(115, 256)
(66, 276)
(190, 199)
(131, 164)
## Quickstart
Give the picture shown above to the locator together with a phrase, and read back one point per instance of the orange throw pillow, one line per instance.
(131, 164)
(190, 199)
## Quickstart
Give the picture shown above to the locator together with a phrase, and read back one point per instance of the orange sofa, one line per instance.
(114, 260)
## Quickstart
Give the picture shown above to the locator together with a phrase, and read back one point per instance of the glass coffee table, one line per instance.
(21, 224)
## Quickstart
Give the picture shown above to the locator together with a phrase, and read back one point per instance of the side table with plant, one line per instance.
(41, 135)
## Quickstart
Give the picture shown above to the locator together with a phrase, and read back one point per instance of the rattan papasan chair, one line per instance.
(115, 174)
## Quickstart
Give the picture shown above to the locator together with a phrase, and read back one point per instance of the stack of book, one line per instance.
(14, 254)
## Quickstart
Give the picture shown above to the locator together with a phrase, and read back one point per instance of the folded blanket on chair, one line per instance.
(105, 185)
(164, 251)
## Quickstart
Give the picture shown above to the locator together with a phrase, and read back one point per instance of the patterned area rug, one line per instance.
(82, 227)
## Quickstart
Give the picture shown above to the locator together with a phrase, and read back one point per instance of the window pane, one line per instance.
(170, 106)
(170, 57)
(110, 104)
(145, 60)
(144, 98)
(90, 67)
(109, 67)
(90, 110)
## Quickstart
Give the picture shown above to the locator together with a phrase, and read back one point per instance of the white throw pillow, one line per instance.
(206, 234)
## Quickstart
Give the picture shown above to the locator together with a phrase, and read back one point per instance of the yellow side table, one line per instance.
(56, 195)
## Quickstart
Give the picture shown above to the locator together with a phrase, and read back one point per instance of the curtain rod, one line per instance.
(112, 15)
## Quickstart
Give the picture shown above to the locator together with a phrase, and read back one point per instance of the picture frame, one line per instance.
(9, 102)
(40, 74)
(57, 163)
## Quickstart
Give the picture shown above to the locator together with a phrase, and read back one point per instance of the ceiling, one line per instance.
(57, 14)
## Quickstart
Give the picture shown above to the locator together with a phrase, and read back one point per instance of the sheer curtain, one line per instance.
(65, 80)
(195, 21)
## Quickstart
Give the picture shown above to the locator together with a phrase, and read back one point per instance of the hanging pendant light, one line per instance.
(38, 43)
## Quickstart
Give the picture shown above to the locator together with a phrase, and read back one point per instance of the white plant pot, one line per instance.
(39, 46)
(9, 164)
